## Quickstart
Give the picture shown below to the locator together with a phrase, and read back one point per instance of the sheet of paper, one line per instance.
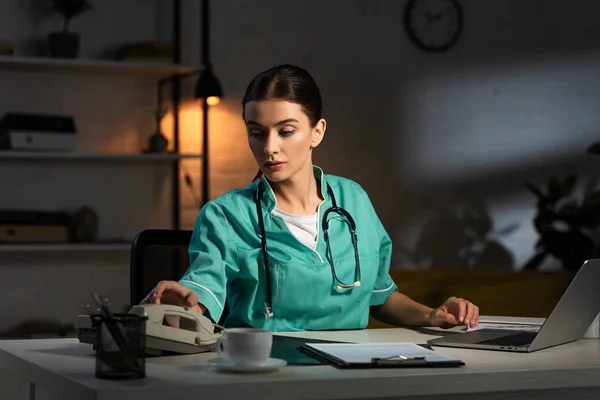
(363, 353)
(509, 327)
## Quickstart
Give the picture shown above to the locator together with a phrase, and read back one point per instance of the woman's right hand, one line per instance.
(172, 292)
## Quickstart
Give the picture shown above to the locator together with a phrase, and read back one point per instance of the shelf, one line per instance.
(61, 247)
(91, 66)
(76, 156)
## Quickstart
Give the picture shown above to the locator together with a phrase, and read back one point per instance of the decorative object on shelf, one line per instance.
(83, 226)
(158, 143)
(65, 44)
(29, 226)
(6, 48)
(564, 224)
(433, 25)
(150, 51)
(43, 132)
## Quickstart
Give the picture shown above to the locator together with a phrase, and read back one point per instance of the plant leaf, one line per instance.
(594, 149)
(554, 188)
(591, 184)
(589, 214)
(71, 8)
(569, 184)
(534, 189)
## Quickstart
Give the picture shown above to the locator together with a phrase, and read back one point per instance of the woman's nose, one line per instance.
(271, 144)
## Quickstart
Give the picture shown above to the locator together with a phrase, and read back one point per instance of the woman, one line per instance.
(317, 273)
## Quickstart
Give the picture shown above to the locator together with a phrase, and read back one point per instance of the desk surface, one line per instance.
(66, 367)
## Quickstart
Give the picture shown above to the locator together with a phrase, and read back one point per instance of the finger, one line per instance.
(462, 307)
(191, 298)
(164, 286)
(148, 298)
(469, 312)
(159, 290)
(475, 321)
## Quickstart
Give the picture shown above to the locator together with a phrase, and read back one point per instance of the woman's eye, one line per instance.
(255, 132)
(286, 132)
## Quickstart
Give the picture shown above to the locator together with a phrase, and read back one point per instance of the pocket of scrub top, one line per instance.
(308, 292)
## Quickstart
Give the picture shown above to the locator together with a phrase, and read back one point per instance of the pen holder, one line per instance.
(120, 344)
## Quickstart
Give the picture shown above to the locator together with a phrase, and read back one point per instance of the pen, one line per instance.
(398, 360)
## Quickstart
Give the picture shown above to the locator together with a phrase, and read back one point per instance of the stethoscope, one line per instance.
(325, 223)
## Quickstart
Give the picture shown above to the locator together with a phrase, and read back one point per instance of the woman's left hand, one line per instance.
(453, 312)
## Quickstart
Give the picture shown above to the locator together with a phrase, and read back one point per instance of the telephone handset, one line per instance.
(195, 334)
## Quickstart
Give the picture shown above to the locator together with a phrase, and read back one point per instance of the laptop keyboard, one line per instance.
(517, 339)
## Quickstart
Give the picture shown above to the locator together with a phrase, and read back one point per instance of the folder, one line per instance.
(378, 355)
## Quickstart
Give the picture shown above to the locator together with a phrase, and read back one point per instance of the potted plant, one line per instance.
(565, 224)
(158, 143)
(65, 44)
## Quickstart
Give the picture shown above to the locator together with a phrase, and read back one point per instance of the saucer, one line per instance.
(272, 364)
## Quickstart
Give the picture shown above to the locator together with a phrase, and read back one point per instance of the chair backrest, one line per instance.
(157, 254)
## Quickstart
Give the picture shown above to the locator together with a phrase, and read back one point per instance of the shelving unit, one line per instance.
(159, 72)
(90, 66)
(64, 247)
(48, 156)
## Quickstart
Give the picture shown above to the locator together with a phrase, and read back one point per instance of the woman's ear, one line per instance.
(317, 133)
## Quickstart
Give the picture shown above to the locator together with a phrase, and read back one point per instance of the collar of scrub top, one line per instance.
(269, 202)
(268, 199)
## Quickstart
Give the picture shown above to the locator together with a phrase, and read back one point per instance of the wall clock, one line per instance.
(433, 25)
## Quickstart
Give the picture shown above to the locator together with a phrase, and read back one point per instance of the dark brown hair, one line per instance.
(290, 83)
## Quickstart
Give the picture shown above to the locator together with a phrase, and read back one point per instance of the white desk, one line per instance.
(64, 369)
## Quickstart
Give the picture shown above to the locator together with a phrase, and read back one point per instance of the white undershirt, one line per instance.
(303, 227)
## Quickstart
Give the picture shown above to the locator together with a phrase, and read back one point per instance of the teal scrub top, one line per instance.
(227, 262)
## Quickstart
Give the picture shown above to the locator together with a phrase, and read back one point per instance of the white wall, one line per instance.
(514, 100)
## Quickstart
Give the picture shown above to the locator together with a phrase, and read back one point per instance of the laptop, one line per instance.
(569, 320)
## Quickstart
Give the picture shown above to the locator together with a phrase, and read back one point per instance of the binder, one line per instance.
(378, 355)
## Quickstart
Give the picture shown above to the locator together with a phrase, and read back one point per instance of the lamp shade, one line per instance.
(208, 85)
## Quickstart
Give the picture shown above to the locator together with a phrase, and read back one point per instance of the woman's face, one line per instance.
(281, 137)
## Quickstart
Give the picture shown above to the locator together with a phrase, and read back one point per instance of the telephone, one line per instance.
(195, 334)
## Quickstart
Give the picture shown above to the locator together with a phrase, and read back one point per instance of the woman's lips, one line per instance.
(274, 166)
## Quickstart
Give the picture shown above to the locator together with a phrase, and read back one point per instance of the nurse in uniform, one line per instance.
(298, 249)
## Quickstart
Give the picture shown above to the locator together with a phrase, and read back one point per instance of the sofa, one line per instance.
(494, 291)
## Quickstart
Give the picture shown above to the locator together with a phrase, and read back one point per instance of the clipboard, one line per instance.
(379, 355)
(288, 348)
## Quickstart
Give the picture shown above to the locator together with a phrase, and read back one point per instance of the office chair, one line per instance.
(156, 255)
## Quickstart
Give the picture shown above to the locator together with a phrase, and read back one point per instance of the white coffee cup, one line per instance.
(246, 346)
